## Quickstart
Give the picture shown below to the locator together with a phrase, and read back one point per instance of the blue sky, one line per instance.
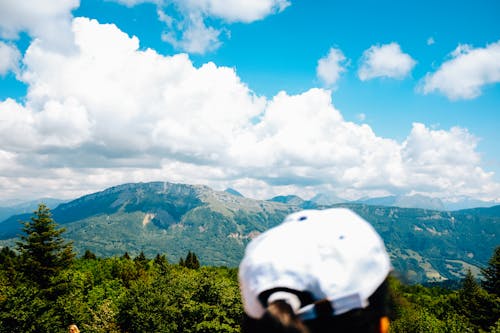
(270, 97)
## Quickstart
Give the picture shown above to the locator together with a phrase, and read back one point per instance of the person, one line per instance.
(73, 329)
(318, 271)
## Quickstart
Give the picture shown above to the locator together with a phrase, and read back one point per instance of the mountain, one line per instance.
(468, 203)
(233, 192)
(425, 245)
(162, 218)
(326, 199)
(21, 207)
(288, 199)
(424, 202)
(406, 201)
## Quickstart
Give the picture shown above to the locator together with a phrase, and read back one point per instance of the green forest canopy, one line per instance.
(44, 288)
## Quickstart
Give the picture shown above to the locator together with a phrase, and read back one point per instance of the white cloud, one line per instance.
(112, 113)
(195, 37)
(361, 116)
(9, 59)
(186, 20)
(236, 10)
(246, 11)
(450, 157)
(385, 61)
(330, 67)
(48, 20)
(132, 3)
(152, 101)
(466, 73)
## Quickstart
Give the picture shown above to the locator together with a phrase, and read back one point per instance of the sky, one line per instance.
(269, 97)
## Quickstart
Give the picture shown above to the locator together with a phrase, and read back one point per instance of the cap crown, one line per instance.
(330, 253)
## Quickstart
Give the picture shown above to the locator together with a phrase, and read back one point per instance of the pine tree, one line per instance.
(192, 261)
(481, 308)
(89, 255)
(470, 287)
(141, 261)
(43, 251)
(491, 274)
(8, 263)
(160, 260)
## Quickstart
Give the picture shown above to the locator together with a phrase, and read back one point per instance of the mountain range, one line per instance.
(161, 217)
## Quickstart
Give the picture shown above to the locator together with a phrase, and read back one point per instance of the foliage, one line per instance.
(89, 255)
(433, 309)
(44, 252)
(120, 294)
(191, 261)
(491, 274)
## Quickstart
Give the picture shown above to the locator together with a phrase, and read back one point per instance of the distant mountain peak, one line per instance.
(406, 201)
(288, 199)
(327, 199)
(419, 201)
(233, 192)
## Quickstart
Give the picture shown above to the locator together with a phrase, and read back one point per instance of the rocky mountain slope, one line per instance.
(160, 217)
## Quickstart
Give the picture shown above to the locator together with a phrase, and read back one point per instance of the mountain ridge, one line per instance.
(162, 217)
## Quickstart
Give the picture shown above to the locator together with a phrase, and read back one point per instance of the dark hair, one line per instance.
(279, 317)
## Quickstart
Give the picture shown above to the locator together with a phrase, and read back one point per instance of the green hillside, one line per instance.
(168, 218)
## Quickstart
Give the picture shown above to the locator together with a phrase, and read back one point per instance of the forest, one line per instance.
(44, 287)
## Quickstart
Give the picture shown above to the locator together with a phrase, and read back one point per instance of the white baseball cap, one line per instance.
(333, 254)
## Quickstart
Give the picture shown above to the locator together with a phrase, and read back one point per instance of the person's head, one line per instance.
(318, 271)
(73, 329)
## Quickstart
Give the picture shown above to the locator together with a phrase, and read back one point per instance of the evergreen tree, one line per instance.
(491, 273)
(43, 251)
(8, 263)
(7, 255)
(192, 261)
(89, 255)
(161, 263)
(160, 259)
(481, 308)
(141, 261)
(470, 287)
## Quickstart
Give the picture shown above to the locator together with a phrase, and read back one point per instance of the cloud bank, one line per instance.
(109, 113)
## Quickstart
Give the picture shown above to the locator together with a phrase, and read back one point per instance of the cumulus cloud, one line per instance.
(47, 20)
(131, 3)
(466, 72)
(331, 66)
(186, 20)
(195, 36)
(444, 153)
(9, 58)
(229, 10)
(237, 10)
(385, 61)
(113, 113)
